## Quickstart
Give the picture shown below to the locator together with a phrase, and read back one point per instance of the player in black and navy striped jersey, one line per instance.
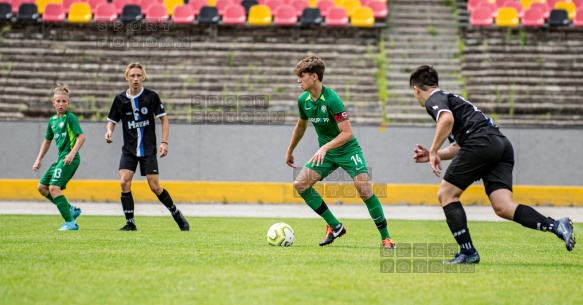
(137, 109)
(479, 151)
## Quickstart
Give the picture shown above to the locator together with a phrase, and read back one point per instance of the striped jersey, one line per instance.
(137, 114)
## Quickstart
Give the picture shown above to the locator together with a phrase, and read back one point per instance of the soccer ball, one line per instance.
(280, 234)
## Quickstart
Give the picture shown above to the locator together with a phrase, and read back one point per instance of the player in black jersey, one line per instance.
(479, 151)
(137, 108)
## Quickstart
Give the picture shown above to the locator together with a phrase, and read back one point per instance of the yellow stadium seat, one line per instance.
(567, 6)
(526, 3)
(259, 15)
(507, 17)
(171, 4)
(350, 6)
(338, 2)
(362, 17)
(80, 12)
(41, 4)
(212, 2)
(313, 3)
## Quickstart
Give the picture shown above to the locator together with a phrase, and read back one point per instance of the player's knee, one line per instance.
(155, 188)
(364, 189)
(43, 189)
(125, 184)
(54, 190)
(503, 210)
(301, 186)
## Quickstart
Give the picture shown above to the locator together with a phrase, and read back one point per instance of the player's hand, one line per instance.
(318, 158)
(163, 150)
(108, 137)
(69, 158)
(289, 160)
(36, 165)
(435, 161)
(421, 154)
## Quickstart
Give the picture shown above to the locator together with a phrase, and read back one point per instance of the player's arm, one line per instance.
(109, 132)
(445, 122)
(422, 154)
(43, 150)
(165, 133)
(78, 143)
(297, 135)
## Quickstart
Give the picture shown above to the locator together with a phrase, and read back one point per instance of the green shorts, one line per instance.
(59, 173)
(352, 162)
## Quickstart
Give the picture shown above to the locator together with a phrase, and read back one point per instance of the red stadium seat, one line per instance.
(578, 21)
(325, 6)
(274, 5)
(473, 4)
(285, 15)
(379, 9)
(183, 14)
(481, 17)
(222, 4)
(119, 4)
(94, 4)
(543, 7)
(578, 3)
(492, 7)
(54, 12)
(105, 12)
(533, 17)
(144, 4)
(337, 16)
(67, 4)
(197, 5)
(157, 13)
(551, 3)
(516, 5)
(234, 14)
(16, 5)
(300, 5)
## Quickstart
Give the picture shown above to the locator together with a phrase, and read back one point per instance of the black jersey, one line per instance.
(137, 114)
(468, 119)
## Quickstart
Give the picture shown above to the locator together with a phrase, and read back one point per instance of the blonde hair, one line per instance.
(135, 65)
(62, 89)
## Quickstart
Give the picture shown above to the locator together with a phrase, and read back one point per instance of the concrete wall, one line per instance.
(257, 153)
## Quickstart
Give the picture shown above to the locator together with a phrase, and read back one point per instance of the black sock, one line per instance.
(127, 203)
(165, 198)
(458, 225)
(530, 218)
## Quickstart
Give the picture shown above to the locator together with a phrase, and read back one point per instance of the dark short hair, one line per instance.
(310, 64)
(424, 77)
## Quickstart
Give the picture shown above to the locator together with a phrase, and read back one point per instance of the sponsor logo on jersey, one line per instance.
(139, 124)
(60, 135)
(319, 120)
(128, 113)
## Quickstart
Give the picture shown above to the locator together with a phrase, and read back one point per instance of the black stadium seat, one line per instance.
(131, 13)
(559, 18)
(311, 16)
(208, 15)
(5, 11)
(28, 12)
(247, 4)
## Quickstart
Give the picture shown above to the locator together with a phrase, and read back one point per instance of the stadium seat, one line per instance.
(551, 3)
(6, 12)
(337, 16)
(119, 4)
(183, 14)
(350, 6)
(507, 17)
(54, 12)
(27, 12)
(67, 4)
(105, 13)
(234, 14)
(578, 3)
(567, 6)
(222, 4)
(171, 4)
(559, 18)
(578, 21)
(41, 4)
(527, 3)
(247, 4)
(379, 9)
(197, 5)
(144, 4)
(312, 3)
(95, 3)
(516, 5)
(533, 17)
(300, 6)
(131, 13)
(325, 6)
(285, 15)
(492, 7)
(157, 13)
(367, 2)
(311, 16)
(481, 17)
(362, 17)
(543, 7)
(274, 5)
(80, 12)
(259, 15)
(473, 5)
(208, 15)
(16, 5)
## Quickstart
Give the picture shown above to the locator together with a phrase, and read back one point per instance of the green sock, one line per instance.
(376, 213)
(64, 208)
(50, 198)
(315, 202)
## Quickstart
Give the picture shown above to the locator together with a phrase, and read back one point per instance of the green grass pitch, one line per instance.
(228, 261)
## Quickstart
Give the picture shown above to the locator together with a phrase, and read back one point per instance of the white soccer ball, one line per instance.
(280, 234)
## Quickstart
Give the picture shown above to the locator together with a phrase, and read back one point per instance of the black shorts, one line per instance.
(488, 157)
(148, 165)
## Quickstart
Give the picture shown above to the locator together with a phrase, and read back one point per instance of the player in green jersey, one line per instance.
(338, 148)
(65, 129)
